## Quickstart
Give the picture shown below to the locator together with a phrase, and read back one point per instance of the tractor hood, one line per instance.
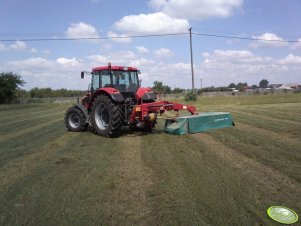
(145, 94)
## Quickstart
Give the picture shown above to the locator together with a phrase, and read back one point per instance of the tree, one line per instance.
(178, 90)
(254, 87)
(158, 87)
(9, 85)
(264, 83)
(166, 89)
(241, 86)
(232, 85)
(41, 92)
(190, 96)
(22, 93)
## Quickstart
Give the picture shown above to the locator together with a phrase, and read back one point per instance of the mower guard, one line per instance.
(198, 123)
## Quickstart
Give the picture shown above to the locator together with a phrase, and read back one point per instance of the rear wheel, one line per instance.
(75, 120)
(106, 117)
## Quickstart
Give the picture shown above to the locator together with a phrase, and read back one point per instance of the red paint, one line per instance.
(114, 68)
(141, 91)
(159, 107)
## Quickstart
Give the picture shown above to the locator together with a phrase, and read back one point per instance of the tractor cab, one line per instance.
(123, 79)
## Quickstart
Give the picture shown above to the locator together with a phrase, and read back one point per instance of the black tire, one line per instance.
(75, 120)
(106, 117)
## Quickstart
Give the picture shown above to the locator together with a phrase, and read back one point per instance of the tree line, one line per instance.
(159, 87)
(10, 90)
(48, 92)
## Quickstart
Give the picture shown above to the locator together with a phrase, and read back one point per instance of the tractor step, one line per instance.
(198, 123)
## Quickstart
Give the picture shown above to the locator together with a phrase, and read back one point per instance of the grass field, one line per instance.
(222, 177)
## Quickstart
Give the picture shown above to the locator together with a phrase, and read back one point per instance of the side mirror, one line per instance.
(140, 80)
(82, 74)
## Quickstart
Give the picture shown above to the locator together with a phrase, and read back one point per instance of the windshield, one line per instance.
(124, 81)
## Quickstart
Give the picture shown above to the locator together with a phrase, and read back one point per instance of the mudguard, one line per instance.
(117, 97)
(112, 92)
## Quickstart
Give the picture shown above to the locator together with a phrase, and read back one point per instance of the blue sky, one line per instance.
(217, 61)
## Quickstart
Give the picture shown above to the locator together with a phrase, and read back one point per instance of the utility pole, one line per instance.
(201, 83)
(191, 60)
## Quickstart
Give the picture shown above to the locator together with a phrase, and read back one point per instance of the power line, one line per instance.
(147, 36)
(90, 38)
(246, 38)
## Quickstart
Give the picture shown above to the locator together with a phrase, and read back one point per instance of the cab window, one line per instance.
(95, 81)
(105, 78)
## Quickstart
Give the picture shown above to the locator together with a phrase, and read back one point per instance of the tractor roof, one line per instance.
(122, 68)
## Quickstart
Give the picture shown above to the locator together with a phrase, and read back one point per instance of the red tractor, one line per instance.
(115, 99)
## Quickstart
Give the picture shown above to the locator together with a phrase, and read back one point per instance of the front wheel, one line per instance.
(75, 120)
(106, 117)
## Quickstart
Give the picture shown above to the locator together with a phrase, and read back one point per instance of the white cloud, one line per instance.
(157, 4)
(291, 59)
(142, 49)
(67, 62)
(106, 46)
(36, 64)
(142, 62)
(47, 51)
(296, 45)
(41, 72)
(155, 23)
(197, 9)
(173, 74)
(118, 38)
(32, 62)
(33, 50)
(268, 40)
(2, 47)
(163, 52)
(98, 60)
(233, 41)
(18, 45)
(221, 67)
(239, 54)
(81, 30)
(121, 58)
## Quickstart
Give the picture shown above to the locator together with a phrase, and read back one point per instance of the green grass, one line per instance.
(251, 100)
(222, 177)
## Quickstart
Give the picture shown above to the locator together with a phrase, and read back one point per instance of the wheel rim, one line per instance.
(102, 116)
(74, 120)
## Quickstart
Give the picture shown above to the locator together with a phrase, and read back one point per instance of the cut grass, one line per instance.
(223, 177)
(66, 185)
(195, 187)
(290, 129)
(280, 155)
